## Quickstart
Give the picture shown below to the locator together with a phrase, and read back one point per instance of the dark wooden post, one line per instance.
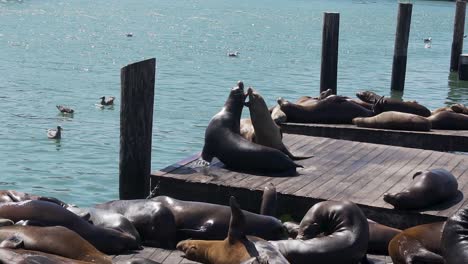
(136, 126)
(330, 36)
(463, 67)
(458, 31)
(401, 46)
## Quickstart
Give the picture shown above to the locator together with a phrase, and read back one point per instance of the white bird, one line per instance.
(54, 133)
(108, 101)
(64, 109)
(233, 54)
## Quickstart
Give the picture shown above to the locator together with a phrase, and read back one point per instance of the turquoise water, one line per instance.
(71, 52)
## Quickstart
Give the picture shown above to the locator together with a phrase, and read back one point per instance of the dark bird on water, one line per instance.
(54, 133)
(64, 109)
(108, 101)
(233, 54)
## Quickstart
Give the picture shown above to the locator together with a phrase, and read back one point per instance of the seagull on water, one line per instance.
(233, 54)
(428, 40)
(108, 101)
(65, 109)
(54, 133)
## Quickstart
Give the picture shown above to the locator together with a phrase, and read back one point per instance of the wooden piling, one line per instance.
(330, 36)
(401, 46)
(136, 126)
(458, 32)
(463, 67)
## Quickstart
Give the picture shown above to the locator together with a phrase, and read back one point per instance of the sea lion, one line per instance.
(106, 240)
(223, 140)
(235, 248)
(104, 218)
(449, 120)
(15, 196)
(459, 108)
(333, 109)
(268, 206)
(418, 244)
(292, 227)
(344, 240)
(412, 107)
(267, 132)
(379, 237)
(454, 239)
(428, 188)
(247, 130)
(278, 116)
(21, 256)
(368, 97)
(394, 120)
(57, 240)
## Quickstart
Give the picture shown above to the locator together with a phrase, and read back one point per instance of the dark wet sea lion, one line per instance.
(449, 120)
(107, 219)
(223, 140)
(153, 220)
(106, 240)
(379, 237)
(388, 104)
(427, 189)
(15, 196)
(333, 109)
(292, 227)
(418, 244)
(269, 202)
(267, 132)
(21, 256)
(454, 238)
(344, 240)
(368, 96)
(394, 120)
(237, 247)
(57, 240)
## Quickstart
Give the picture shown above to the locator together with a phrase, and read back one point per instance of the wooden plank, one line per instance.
(159, 255)
(173, 258)
(146, 252)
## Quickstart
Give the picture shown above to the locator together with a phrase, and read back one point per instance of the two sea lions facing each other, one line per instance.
(223, 141)
(430, 187)
(344, 239)
(237, 247)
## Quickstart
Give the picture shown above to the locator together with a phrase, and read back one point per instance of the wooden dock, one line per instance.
(442, 140)
(340, 170)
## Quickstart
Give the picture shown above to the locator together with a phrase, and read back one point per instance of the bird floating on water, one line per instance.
(233, 54)
(427, 40)
(55, 133)
(64, 109)
(129, 34)
(108, 101)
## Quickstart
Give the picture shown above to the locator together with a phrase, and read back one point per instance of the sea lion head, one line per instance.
(255, 99)
(367, 96)
(196, 250)
(236, 96)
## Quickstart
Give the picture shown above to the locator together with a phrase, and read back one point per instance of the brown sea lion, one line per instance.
(106, 240)
(379, 237)
(454, 239)
(344, 239)
(277, 115)
(267, 132)
(368, 97)
(21, 256)
(247, 130)
(394, 120)
(235, 248)
(333, 109)
(412, 107)
(459, 108)
(449, 120)
(15, 196)
(223, 140)
(57, 240)
(428, 188)
(418, 244)
(441, 109)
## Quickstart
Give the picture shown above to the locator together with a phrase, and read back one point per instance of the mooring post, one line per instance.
(136, 126)
(401, 46)
(330, 36)
(463, 67)
(458, 32)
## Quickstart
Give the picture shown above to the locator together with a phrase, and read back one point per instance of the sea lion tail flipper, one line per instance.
(237, 222)
(268, 206)
(298, 165)
(292, 156)
(12, 242)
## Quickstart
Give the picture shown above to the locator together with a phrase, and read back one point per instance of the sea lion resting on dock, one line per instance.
(428, 188)
(267, 133)
(223, 140)
(345, 235)
(454, 239)
(412, 107)
(15, 196)
(175, 219)
(394, 120)
(418, 244)
(331, 110)
(56, 240)
(237, 247)
(106, 240)
(449, 120)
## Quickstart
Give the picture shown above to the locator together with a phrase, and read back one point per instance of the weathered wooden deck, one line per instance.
(340, 170)
(165, 256)
(443, 140)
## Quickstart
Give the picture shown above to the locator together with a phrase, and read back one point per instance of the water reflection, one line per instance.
(458, 90)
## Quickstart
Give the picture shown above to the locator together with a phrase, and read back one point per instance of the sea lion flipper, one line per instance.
(417, 174)
(237, 222)
(12, 242)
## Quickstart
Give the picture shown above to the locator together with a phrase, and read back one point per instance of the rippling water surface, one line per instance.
(71, 52)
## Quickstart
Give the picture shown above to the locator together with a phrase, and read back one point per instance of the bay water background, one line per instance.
(71, 52)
